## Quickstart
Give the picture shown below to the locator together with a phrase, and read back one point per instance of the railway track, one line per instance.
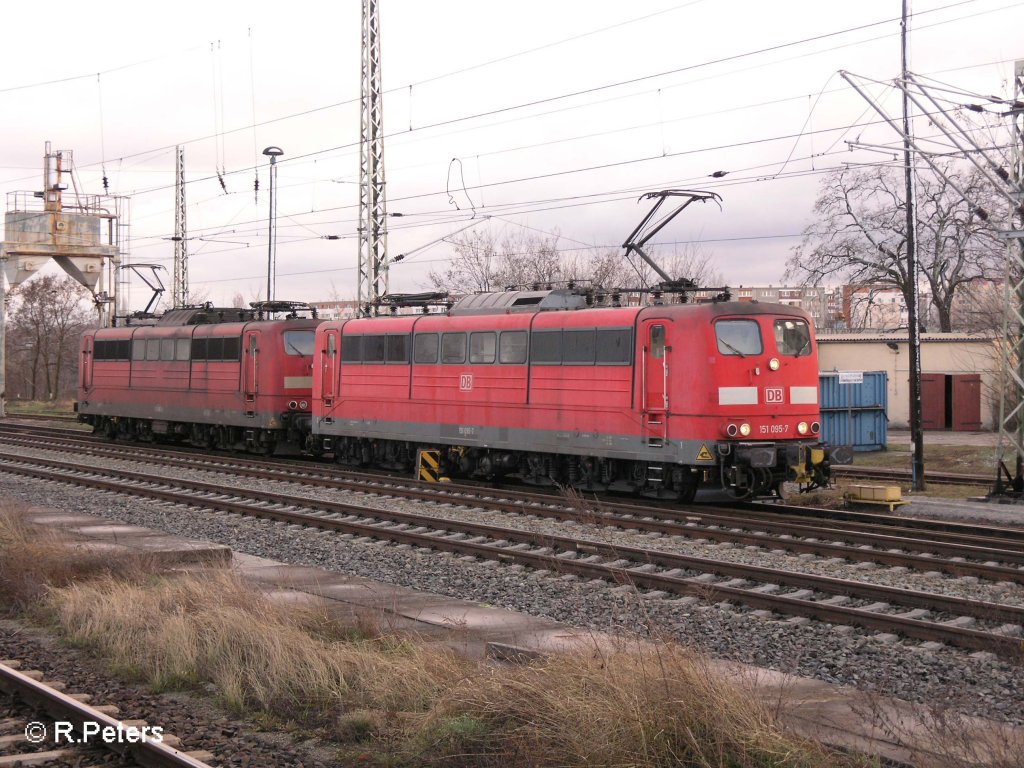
(80, 731)
(903, 476)
(957, 550)
(925, 616)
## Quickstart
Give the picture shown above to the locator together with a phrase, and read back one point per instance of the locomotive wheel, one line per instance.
(687, 492)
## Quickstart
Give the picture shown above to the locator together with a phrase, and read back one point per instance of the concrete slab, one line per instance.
(100, 535)
(888, 728)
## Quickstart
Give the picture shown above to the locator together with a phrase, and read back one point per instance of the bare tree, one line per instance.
(484, 261)
(49, 315)
(860, 236)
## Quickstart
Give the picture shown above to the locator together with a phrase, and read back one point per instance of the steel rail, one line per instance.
(59, 706)
(409, 528)
(767, 533)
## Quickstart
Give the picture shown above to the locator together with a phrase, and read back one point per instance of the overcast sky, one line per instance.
(554, 116)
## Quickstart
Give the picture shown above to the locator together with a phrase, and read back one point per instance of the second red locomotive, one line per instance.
(212, 377)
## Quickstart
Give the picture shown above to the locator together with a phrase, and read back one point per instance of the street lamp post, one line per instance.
(273, 153)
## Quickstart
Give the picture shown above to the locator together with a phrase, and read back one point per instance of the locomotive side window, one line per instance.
(214, 349)
(152, 349)
(138, 349)
(425, 348)
(166, 349)
(374, 348)
(546, 347)
(182, 349)
(351, 349)
(657, 342)
(614, 346)
(299, 343)
(482, 347)
(792, 337)
(512, 347)
(332, 342)
(115, 349)
(232, 349)
(578, 347)
(453, 348)
(739, 337)
(398, 348)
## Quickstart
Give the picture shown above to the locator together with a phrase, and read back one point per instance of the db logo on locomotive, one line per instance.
(773, 394)
(466, 382)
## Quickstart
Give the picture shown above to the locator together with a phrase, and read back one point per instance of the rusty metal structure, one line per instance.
(82, 233)
(373, 236)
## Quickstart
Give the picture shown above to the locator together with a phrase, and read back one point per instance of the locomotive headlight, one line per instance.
(731, 430)
(802, 427)
(744, 429)
(303, 405)
(815, 427)
(292, 404)
(774, 363)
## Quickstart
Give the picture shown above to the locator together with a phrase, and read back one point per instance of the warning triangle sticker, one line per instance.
(704, 454)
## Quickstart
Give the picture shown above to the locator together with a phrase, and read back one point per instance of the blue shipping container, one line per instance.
(855, 413)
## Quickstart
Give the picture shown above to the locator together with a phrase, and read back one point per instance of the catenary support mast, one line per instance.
(373, 238)
(180, 292)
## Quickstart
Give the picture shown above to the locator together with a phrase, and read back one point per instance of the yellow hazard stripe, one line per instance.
(430, 462)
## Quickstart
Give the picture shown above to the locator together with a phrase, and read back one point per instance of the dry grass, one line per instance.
(34, 559)
(646, 705)
(963, 459)
(395, 701)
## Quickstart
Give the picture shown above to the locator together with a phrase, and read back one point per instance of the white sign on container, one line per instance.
(851, 377)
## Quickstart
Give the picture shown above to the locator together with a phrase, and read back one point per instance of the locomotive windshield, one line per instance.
(739, 337)
(792, 337)
(299, 342)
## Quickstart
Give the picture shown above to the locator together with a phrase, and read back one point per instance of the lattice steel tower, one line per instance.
(180, 292)
(373, 235)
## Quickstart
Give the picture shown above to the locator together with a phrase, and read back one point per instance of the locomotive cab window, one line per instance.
(792, 337)
(739, 337)
(299, 343)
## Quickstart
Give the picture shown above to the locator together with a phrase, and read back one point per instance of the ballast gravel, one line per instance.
(941, 679)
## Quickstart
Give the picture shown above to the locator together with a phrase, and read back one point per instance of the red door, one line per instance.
(250, 365)
(655, 381)
(933, 401)
(329, 368)
(966, 402)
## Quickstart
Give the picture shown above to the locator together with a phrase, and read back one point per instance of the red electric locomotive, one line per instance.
(656, 400)
(212, 377)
